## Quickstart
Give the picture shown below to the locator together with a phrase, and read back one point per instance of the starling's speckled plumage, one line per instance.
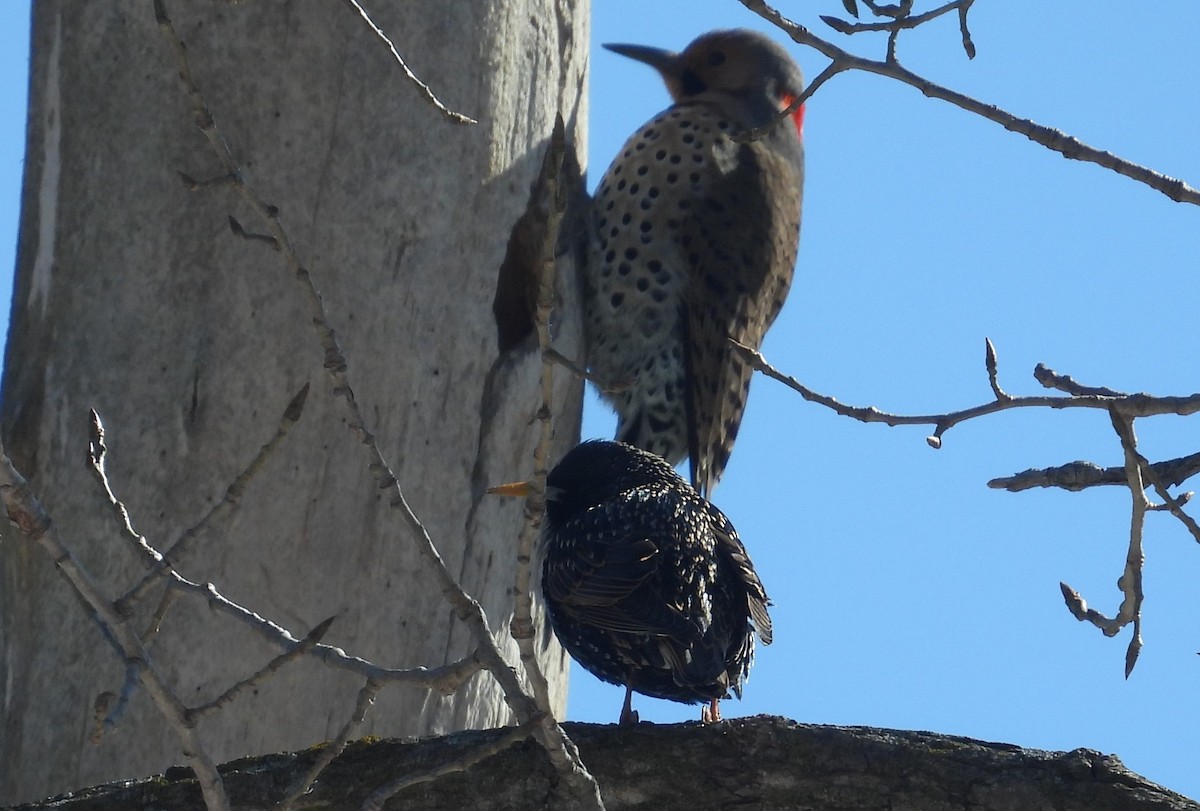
(693, 242)
(646, 582)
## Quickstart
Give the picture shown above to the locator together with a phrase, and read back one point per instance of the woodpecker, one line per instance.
(694, 234)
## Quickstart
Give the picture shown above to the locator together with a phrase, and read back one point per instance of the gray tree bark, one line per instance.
(763, 763)
(134, 298)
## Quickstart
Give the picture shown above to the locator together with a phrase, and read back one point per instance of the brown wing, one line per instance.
(739, 243)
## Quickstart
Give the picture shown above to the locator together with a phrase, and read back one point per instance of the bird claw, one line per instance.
(711, 713)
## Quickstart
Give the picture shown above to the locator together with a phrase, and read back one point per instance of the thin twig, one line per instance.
(450, 115)
(269, 669)
(1130, 581)
(381, 795)
(162, 564)
(575, 368)
(446, 678)
(366, 697)
(109, 707)
(755, 133)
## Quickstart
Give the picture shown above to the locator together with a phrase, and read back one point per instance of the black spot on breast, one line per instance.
(624, 268)
(631, 253)
(616, 299)
(643, 284)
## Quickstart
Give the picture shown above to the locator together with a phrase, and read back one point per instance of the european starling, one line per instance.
(693, 241)
(647, 583)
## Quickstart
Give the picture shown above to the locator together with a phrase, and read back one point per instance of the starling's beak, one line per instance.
(516, 489)
(665, 62)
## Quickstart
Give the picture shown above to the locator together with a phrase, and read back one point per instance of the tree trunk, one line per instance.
(134, 298)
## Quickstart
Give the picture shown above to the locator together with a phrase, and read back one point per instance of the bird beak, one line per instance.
(661, 60)
(665, 62)
(516, 489)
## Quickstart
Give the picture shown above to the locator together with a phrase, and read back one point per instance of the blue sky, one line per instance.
(907, 594)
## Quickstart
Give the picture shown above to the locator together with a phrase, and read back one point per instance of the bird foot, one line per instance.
(711, 713)
(629, 716)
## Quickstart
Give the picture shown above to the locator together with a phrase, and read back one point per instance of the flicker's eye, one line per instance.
(716, 58)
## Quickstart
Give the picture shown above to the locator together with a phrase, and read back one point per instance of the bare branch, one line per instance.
(1055, 140)
(1081, 475)
(897, 22)
(1129, 405)
(25, 511)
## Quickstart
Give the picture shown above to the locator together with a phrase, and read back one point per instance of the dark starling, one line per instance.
(647, 584)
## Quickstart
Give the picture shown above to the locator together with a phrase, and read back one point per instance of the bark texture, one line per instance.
(133, 297)
(763, 763)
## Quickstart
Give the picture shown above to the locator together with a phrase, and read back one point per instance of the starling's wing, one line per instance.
(731, 549)
(739, 242)
(609, 577)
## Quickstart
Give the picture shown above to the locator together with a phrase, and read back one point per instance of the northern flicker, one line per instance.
(646, 583)
(694, 239)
